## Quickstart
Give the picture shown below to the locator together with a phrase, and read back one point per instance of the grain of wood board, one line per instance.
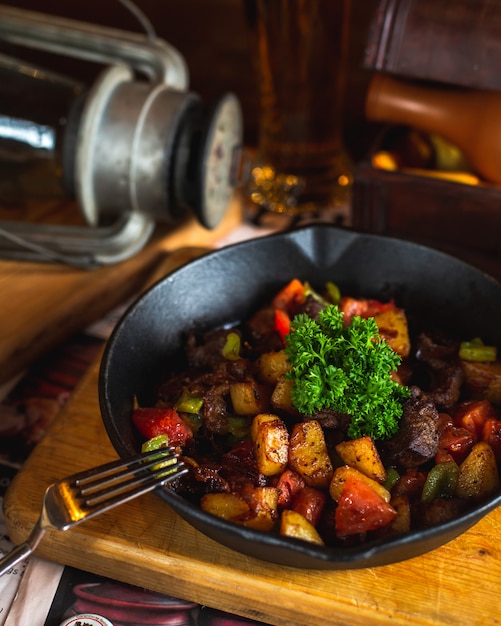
(45, 303)
(145, 543)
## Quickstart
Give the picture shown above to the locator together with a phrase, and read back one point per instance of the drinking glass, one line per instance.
(299, 51)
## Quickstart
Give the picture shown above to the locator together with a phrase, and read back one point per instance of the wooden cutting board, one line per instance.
(44, 303)
(146, 544)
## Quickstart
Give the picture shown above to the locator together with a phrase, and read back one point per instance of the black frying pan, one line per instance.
(228, 285)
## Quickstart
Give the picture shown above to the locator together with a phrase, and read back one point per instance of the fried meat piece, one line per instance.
(417, 439)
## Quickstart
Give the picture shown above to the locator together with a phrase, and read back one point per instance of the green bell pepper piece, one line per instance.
(441, 482)
(476, 350)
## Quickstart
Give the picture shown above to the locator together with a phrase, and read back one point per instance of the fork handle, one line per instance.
(23, 550)
(14, 557)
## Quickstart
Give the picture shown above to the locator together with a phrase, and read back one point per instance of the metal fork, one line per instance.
(77, 498)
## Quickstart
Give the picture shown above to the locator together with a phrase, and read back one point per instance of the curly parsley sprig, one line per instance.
(346, 369)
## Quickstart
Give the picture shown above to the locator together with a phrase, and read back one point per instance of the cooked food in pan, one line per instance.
(332, 419)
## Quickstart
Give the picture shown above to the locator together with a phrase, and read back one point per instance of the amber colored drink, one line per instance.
(299, 50)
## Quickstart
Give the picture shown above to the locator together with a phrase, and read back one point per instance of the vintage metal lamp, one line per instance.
(135, 148)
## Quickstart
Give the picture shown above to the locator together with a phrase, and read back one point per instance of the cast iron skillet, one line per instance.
(228, 285)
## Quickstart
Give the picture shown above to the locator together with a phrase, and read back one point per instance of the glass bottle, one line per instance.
(470, 119)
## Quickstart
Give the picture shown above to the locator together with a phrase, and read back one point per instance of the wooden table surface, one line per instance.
(146, 544)
(42, 304)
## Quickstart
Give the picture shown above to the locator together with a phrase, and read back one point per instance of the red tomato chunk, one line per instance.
(360, 509)
(152, 422)
(472, 415)
(309, 502)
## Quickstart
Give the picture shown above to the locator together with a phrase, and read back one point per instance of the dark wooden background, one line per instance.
(211, 36)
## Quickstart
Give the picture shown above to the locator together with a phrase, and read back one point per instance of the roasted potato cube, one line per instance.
(261, 498)
(281, 398)
(271, 443)
(363, 455)
(341, 474)
(402, 520)
(272, 366)
(293, 524)
(393, 328)
(226, 505)
(263, 502)
(248, 398)
(478, 473)
(483, 380)
(260, 521)
(308, 454)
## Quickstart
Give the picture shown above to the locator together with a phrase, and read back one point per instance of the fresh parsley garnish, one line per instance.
(346, 369)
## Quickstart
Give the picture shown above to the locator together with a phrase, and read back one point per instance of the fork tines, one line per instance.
(123, 480)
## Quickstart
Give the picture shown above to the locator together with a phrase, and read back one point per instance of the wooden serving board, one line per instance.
(42, 304)
(145, 543)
